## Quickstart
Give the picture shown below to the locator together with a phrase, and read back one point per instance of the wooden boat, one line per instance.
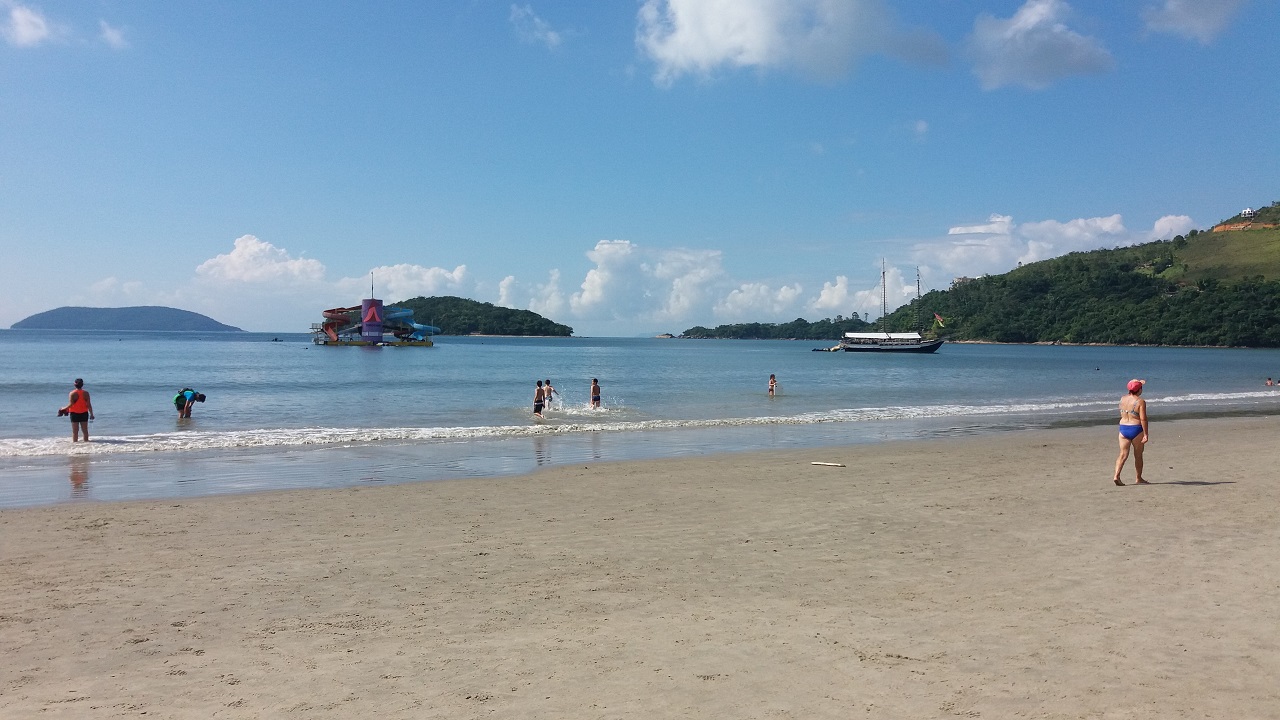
(901, 342)
(910, 342)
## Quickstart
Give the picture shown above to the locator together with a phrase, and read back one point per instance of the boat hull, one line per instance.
(927, 346)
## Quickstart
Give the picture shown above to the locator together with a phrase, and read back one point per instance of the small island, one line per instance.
(144, 317)
(462, 316)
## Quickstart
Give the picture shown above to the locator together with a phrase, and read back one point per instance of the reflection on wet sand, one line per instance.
(540, 455)
(79, 469)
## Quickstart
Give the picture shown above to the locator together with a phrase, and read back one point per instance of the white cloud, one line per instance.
(546, 299)
(112, 36)
(1034, 48)
(646, 285)
(533, 29)
(839, 299)
(1171, 225)
(25, 26)
(997, 225)
(255, 261)
(834, 297)
(1050, 238)
(112, 291)
(754, 302)
(1001, 244)
(686, 276)
(1200, 20)
(921, 130)
(404, 281)
(821, 37)
(611, 277)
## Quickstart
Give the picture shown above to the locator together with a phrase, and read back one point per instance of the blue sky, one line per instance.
(621, 167)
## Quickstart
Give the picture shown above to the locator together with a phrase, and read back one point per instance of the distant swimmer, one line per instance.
(595, 393)
(1269, 382)
(185, 398)
(773, 385)
(80, 409)
(548, 391)
(539, 399)
(1133, 429)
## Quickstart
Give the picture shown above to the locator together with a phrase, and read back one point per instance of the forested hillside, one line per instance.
(144, 317)
(798, 329)
(1205, 289)
(1208, 288)
(460, 316)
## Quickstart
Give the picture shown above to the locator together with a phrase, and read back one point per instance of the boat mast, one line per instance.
(919, 327)
(884, 300)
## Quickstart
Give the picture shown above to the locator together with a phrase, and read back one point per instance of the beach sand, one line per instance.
(998, 576)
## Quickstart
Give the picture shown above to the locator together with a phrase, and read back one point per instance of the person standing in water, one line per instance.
(548, 391)
(80, 409)
(773, 385)
(539, 398)
(1133, 430)
(595, 393)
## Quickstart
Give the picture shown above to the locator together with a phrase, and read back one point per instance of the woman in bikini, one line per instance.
(1133, 429)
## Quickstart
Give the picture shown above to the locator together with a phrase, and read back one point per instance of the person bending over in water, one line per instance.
(80, 410)
(595, 393)
(183, 401)
(1133, 429)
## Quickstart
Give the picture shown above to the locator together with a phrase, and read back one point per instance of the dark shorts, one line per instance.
(79, 417)
(537, 407)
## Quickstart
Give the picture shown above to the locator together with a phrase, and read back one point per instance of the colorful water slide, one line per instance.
(341, 320)
(395, 320)
(399, 320)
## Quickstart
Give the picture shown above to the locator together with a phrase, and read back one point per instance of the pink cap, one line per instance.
(1136, 385)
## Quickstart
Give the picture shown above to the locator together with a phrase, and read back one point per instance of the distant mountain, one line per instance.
(462, 316)
(147, 317)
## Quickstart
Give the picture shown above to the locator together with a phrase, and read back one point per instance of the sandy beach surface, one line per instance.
(999, 576)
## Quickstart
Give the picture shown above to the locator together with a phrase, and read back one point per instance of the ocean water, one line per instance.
(290, 414)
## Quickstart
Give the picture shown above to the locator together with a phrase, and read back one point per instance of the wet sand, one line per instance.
(997, 576)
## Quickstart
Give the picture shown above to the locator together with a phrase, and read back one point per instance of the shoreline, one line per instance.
(999, 575)
(79, 474)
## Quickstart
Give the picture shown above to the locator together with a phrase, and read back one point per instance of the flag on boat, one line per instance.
(938, 317)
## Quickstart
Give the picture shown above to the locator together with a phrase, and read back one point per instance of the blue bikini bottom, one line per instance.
(1129, 432)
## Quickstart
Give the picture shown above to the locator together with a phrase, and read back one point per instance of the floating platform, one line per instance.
(370, 324)
(367, 343)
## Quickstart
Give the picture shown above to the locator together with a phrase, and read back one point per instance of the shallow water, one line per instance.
(290, 414)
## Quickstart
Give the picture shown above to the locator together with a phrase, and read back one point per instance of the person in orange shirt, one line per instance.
(81, 411)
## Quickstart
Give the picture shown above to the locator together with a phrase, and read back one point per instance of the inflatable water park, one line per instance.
(372, 323)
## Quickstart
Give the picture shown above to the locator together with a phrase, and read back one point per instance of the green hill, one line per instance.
(1204, 289)
(146, 317)
(798, 329)
(1229, 256)
(460, 316)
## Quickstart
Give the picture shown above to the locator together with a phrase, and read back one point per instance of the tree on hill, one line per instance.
(461, 316)
(798, 329)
